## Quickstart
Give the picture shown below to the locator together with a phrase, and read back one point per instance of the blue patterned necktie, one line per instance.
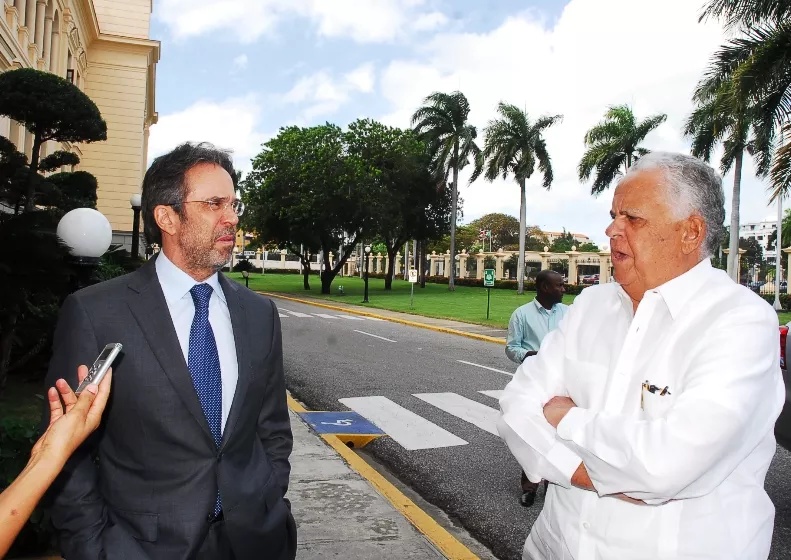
(204, 365)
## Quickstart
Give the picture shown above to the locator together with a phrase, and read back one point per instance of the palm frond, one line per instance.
(746, 13)
(781, 168)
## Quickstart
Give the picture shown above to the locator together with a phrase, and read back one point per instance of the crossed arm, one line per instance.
(731, 397)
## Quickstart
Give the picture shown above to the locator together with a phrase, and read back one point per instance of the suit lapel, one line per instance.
(239, 324)
(147, 304)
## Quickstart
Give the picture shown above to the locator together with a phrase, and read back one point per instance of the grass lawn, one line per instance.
(465, 304)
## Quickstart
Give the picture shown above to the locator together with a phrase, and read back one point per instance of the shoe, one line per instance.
(527, 498)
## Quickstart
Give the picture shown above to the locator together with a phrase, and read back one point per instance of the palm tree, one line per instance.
(614, 145)
(720, 117)
(441, 123)
(757, 64)
(514, 146)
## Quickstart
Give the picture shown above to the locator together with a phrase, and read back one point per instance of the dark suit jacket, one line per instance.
(158, 467)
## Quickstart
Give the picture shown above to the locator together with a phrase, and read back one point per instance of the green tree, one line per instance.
(721, 117)
(407, 196)
(306, 188)
(504, 228)
(588, 248)
(613, 146)
(756, 63)
(50, 108)
(563, 243)
(515, 146)
(441, 123)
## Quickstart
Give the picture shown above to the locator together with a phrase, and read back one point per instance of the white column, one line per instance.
(30, 19)
(54, 57)
(47, 49)
(21, 8)
(41, 7)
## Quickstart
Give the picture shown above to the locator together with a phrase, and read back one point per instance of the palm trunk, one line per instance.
(31, 185)
(733, 242)
(453, 214)
(520, 273)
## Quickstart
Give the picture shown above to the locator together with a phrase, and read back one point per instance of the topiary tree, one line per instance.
(50, 108)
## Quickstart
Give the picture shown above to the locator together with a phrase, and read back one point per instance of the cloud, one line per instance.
(365, 21)
(239, 63)
(322, 94)
(596, 54)
(230, 124)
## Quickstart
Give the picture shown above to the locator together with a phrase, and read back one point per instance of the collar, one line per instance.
(176, 283)
(677, 292)
(543, 309)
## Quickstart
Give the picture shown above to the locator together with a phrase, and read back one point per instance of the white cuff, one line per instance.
(565, 461)
(575, 420)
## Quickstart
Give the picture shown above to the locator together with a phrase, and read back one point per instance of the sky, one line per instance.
(233, 72)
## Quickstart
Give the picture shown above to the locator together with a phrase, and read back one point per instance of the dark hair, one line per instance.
(164, 182)
(543, 277)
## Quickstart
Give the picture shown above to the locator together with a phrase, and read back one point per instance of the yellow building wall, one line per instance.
(128, 18)
(117, 84)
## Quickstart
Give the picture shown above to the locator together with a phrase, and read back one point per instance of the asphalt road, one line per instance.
(476, 482)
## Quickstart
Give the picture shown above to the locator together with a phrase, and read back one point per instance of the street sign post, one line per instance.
(412, 281)
(488, 282)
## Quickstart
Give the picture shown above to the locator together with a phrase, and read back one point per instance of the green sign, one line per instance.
(488, 277)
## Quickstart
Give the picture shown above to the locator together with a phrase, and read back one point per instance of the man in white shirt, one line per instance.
(651, 408)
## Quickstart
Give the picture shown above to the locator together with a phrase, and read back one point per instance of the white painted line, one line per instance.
(408, 429)
(297, 313)
(374, 318)
(494, 394)
(350, 317)
(471, 411)
(486, 367)
(283, 316)
(325, 316)
(375, 336)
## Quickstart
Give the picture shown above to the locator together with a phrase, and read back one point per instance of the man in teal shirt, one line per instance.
(528, 326)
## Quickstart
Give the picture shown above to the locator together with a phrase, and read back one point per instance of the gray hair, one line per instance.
(694, 188)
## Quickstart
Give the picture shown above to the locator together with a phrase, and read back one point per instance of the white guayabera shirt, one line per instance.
(697, 454)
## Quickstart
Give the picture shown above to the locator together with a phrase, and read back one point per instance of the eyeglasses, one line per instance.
(217, 204)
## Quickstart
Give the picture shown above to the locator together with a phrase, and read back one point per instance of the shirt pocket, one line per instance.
(656, 405)
(586, 383)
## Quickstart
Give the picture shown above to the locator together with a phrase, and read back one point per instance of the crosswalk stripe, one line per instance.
(325, 316)
(408, 429)
(493, 394)
(283, 316)
(468, 410)
(296, 313)
(350, 317)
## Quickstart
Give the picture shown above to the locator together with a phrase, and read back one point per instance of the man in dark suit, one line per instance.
(194, 445)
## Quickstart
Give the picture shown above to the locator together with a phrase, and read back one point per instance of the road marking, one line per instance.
(471, 411)
(376, 336)
(493, 394)
(296, 313)
(408, 429)
(485, 367)
(283, 316)
(374, 318)
(325, 316)
(350, 317)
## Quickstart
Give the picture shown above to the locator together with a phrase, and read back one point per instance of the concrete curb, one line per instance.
(386, 318)
(423, 522)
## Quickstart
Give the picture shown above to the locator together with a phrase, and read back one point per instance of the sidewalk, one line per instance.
(400, 316)
(339, 514)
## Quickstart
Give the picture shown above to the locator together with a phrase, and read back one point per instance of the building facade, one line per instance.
(760, 231)
(103, 47)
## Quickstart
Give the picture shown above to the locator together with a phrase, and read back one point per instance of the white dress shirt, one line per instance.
(697, 455)
(176, 285)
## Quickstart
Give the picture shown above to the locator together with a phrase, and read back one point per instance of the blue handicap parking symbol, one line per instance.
(340, 423)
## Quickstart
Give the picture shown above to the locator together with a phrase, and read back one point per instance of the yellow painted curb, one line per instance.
(423, 522)
(392, 319)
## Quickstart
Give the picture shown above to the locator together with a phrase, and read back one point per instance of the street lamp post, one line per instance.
(367, 252)
(136, 203)
(88, 235)
(778, 246)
